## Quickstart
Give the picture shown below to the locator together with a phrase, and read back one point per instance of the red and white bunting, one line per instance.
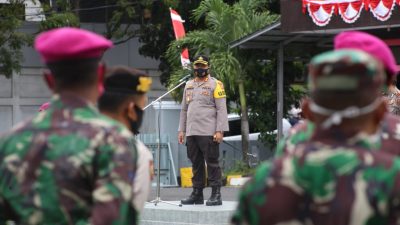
(321, 11)
(179, 30)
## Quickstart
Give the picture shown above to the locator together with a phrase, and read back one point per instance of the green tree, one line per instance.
(262, 83)
(158, 33)
(224, 23)
(120, 18)
(11, 38)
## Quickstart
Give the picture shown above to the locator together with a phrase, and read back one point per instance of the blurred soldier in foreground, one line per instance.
(68, 164)
(123, 99)
(335, 177)
(203, 120)
(374, 46)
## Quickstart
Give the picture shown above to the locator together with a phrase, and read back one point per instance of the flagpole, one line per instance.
(179, 31)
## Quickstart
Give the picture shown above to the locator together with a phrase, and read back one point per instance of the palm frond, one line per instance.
(224, 24)
(176, 75)
(197, 42)
(226, 67)
(217, 6)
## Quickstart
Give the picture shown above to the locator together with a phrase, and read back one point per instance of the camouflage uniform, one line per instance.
(389, 134)
(390, 128)
(326, 177)
(67, 165)
(393, 97)
(323, 184)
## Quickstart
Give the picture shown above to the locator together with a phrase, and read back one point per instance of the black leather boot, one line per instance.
(196, 198)
(215, 198)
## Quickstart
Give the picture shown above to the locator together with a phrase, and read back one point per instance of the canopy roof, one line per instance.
(274, 38)
(272, 35)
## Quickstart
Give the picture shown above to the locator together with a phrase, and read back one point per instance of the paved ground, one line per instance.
(175, 194)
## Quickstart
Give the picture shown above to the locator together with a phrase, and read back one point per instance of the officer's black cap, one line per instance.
(125, 80)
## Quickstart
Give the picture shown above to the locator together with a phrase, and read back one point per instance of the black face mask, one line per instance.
(135, 125)
(200, 72)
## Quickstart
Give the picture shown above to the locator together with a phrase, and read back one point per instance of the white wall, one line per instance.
(21, 95)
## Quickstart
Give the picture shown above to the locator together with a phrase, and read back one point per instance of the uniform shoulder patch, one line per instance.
(219, 91)
(189, 83)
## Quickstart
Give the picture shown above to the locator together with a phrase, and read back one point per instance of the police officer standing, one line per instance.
(69, 164)
(203, 120)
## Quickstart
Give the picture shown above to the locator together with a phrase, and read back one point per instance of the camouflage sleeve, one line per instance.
(2, 206)
(114, 172)
(395, 196)
(3, 185)
(299, 134)
(271, 197)
(183, 114)
(280, 148)
(250, 197)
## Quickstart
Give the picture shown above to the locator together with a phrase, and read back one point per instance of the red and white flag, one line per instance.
(179, 30)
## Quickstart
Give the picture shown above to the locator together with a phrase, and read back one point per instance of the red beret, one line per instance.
(369, 44)
(70, 43)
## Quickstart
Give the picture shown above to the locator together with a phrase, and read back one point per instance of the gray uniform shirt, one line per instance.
(203, 108)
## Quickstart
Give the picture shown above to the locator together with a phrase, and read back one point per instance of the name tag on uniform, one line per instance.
(206, 93)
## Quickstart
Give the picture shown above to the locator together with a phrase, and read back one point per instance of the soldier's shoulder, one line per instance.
(115, 127)
(258, 181)
(17, 138)
(100, 122)
(391, 126)
(301, 132)
(390, 118)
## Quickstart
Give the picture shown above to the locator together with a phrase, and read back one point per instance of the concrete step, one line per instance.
(166, 214)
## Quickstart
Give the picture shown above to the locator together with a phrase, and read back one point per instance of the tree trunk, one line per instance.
(77, 6)
(244, 123)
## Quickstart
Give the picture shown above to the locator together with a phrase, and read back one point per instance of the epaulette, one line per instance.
(189, 82)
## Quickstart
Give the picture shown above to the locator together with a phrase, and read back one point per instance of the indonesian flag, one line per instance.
(179, 30)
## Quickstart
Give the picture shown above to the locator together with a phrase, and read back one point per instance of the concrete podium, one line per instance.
(164, 214)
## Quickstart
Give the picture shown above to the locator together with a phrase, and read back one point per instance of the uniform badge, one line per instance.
(219, 91)
(144, 84)
(206, 93)
(189, 95)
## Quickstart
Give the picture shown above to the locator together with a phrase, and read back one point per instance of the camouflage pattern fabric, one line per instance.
(330, 176)
(340, 182)
(389, 133)
(67, 165)
(393, 99)
(344, 71)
